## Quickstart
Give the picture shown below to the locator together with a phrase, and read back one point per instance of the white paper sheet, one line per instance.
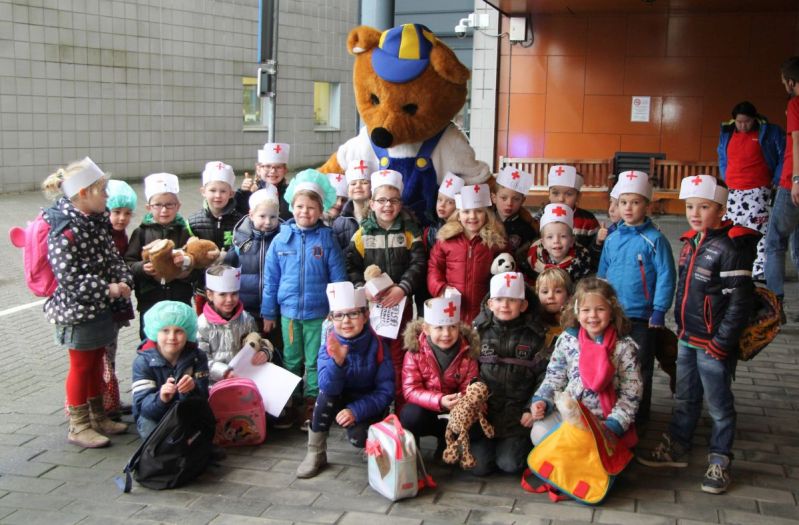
(386, 321)
(274, 383)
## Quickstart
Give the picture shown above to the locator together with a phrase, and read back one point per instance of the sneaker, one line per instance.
(717, 477)
(667, 453)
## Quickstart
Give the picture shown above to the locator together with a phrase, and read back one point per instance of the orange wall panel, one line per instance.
(565, 92)
(607, 36)
(604, 75)
(708, 148)
(590, 145)
(708, 35)
(681, 127)
(664, 76)
(646, 35)
(644, 143)
(611, 114)
(528, 74)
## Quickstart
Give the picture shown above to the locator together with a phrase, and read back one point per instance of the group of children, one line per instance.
(291, 268)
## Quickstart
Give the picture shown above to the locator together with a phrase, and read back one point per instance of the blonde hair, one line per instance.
(52, 184)
(557, 277)
(311, 195)
(492, 222)
(602, 288)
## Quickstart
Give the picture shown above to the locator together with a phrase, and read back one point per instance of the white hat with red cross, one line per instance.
(473, 197)
(160, 183)
(632, 182)
(507, 284)
(228, 281)
(515, 179)
(339, 183)
(557, 213)
(703, 187)
(386, 178)
(344, 296)
(442, 311)
(563, 175)
(274, 153)
(451, 185)
(358, 169)
(218, 171)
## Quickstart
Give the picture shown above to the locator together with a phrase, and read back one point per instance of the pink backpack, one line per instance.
(239, 411)
(33, 241)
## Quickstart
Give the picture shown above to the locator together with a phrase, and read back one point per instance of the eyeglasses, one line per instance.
(383, 202)
(168, 206)
(352, 314)
(279, 167)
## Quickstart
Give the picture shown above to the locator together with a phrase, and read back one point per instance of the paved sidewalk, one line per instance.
(45, 480)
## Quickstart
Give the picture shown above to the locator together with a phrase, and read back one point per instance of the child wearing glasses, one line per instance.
(271, 168)
(162, 221)
(392, 240)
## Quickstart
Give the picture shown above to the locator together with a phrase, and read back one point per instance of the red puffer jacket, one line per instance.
(464, 264)
(423, 383)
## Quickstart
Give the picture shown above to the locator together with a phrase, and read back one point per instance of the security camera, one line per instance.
(460, 30)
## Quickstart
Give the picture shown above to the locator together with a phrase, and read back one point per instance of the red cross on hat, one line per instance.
(338, 177)
(631, 175)
(477, 188)
(508, 278)
(385, 173)
(448, 182)
(277, 148)
(560, 212)
(238, 274)
(362, 166)
(515, 175)
(220, 166)
(559, 171)
(450, 309)
(697, 180)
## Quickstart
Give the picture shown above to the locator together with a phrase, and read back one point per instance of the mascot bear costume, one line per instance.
(408, 87)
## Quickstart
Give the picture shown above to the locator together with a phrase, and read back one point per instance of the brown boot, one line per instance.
(307, 413)
(101, 422)
(316, 456)
(81, 432)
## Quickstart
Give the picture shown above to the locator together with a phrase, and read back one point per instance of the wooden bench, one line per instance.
(666, 176)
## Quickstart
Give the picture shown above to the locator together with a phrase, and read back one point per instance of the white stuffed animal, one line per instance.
(503, 263)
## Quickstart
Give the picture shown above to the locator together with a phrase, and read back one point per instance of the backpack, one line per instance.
(395, 466)
(33, 241)
(763, 325)
(239, 412)
(177, 451)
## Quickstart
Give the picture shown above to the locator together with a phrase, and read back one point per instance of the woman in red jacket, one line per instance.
(440, 361)
(466, 247)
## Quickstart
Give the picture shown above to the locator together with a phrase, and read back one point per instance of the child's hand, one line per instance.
(149, 269)
(269, 325)
(392, 297)
(537, 410)
(168, 390)
(658, 319)
(186, 384)
(248, 182)
(177, 259)
(336, 350)
(229, 373)
(602, 234)
(113, 290)
(450, 400)
(345, 418)
(124, 290)
(259, 358)
(526, 420)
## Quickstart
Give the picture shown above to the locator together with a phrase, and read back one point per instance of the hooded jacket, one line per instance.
(366, 377)
(772, 143)
(715, 289)
(345, 225)
(423, 381)
(220, 338)
(249, 255)
(464, 264)
(204, 225)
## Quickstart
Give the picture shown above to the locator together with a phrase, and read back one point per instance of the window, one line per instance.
(326, 105)
(255, 110)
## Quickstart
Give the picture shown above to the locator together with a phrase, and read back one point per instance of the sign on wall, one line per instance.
(639, 110)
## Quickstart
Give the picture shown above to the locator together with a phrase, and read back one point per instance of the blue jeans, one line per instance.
(145, 426)
(698, 376)
(643, 337)
(782, 224)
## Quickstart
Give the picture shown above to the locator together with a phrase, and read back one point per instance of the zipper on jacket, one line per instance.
(643, 276)
(261, 270)
(688, 281)
(707, 312)
(302, 274)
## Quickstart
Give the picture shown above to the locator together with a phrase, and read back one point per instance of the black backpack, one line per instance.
(177, 451)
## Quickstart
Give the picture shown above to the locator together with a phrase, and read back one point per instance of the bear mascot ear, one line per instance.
(362, 39)
(447, 65)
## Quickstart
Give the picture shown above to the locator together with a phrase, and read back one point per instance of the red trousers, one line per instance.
(85, 375)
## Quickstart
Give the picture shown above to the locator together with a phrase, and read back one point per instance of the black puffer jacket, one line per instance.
(204, 225)
(715, 290)
(243, 200)
(249, 253)
(513, 362)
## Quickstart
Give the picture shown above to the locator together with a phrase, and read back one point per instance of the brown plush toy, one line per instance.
(259, 343)
(160, 253)
(468, 410)
(202, 252)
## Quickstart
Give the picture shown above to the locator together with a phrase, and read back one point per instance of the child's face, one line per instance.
(164, 207)
(633, 208)
(443, 337)
(445, 206)
(552, 297)
(120, 218)
(306, 210)
(271, 173)
(613, 210)
(594, 314)
(472, 221)
(171, 340)
(506, 308)
(557, 239)
(703, 214)
(94, 198)
(563, 195)
(359, 190)
(349, 323)
(386, 203)
(335, 210)
(217, 194)
(265, 217)
(223, 302)
(507, 201)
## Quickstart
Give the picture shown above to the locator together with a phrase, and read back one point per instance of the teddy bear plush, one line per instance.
(408, 88)
(260, 344)
(468, 410)
(161, 253)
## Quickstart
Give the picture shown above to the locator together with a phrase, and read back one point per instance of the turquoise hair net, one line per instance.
(312, 176)
(120, 195)
(170, 313)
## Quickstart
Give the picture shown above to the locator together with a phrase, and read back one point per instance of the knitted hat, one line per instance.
(120, 195)
(170, 313)
(314, 181)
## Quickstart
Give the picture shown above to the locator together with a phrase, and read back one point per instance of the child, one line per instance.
(445, 206)
(169, 366)
(595, 362)
(564, 188)
(356, 378)
(339, 183)
(557, 246)
(215, 222)
(224, 323)
(391, 239)
(606, 229)
(355, 210)
(440, 363)
(511, 190)
(468, 244)
(512, 364)
(90, 274)
(714, 299)
(645, 294)
(303, 258)
(271, 169)
(161, 222)
(554, 288)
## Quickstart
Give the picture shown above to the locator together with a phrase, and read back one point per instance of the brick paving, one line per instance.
(43, 479)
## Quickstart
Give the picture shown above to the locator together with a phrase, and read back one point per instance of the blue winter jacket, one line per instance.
(637, 261)
(367, 375)
(772, 144)
(299, 265)
(151, 371)
(249, 254)
(345, 225)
